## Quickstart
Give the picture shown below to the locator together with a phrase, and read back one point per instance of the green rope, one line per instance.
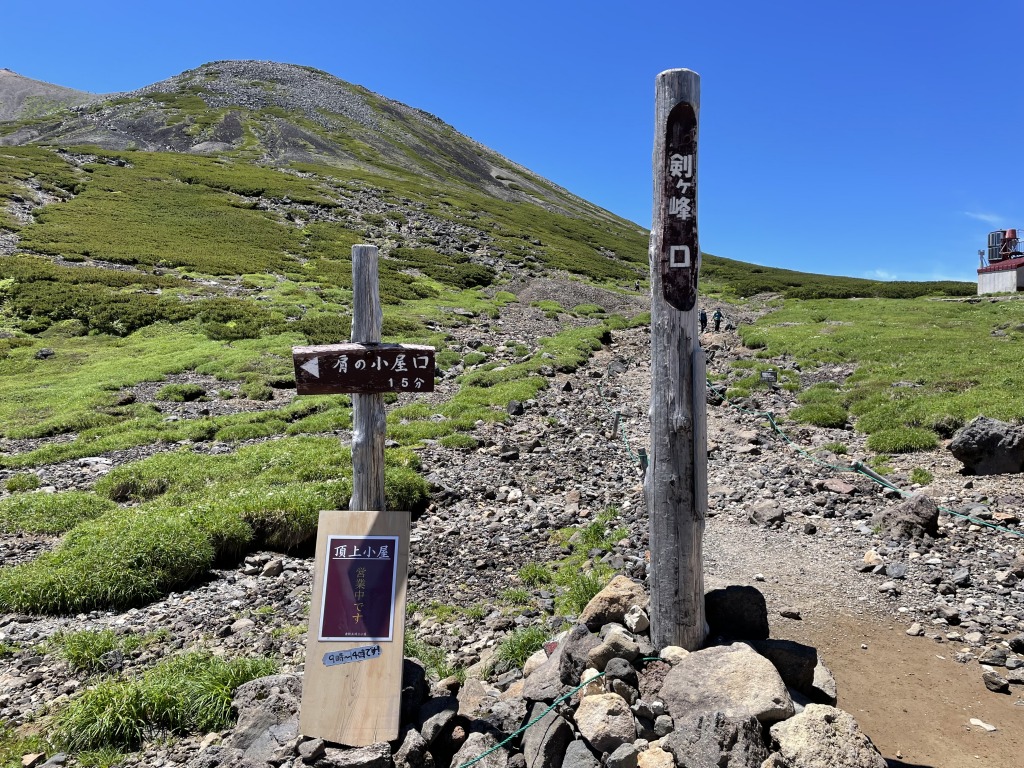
(540, 717)
(881, 481)
(533, 722)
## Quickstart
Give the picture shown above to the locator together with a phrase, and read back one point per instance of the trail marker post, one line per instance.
(351, 692)
(676, 480)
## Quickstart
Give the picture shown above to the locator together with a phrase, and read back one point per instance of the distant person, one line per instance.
(717, 317)
(636, 286)
(703, 321)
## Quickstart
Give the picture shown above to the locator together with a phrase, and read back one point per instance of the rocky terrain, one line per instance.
(816, 541)
(842, 561)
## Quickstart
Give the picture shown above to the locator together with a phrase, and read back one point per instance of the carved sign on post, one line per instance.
(333, 369)
(680, 254)
(351, 691)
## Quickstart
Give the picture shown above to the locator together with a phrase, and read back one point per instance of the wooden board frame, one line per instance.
(355, 698)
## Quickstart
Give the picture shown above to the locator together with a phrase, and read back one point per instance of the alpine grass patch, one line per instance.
(580, 588)
(84, 650)
(180, 393)
(828, 415)
(902, 440)
(535, 574)
(517, 647)
(916, 363)
(434, 659)
(23, 481)
(50, 512)
(193, 511)
(183, 694)
(921, 476)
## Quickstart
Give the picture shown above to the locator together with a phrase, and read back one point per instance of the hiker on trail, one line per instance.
(636, 286)
(717, 317)
(703, 321)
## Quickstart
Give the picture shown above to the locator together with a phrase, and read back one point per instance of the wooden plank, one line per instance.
(675, 482)
(363, 368)
(351, 691)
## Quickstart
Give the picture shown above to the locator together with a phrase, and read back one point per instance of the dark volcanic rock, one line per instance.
(712, 740)
(989, 447)
(916, 517)
(737, 612)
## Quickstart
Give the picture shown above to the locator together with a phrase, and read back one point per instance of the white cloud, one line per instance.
(918, 276)
(880, 274)
(989, 218)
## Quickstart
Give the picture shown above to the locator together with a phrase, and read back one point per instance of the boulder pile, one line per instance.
(598, 695)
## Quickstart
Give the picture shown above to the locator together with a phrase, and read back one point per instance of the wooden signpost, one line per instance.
(351, 691)
(675, 484)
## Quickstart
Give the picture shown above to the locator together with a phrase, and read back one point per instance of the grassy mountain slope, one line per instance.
(190, 233)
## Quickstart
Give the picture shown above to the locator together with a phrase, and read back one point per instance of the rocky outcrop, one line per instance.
(734, 680)
(711, 709)
(716, 739)
(823, 737)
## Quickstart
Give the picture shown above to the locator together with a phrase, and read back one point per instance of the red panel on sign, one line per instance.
(359, 589)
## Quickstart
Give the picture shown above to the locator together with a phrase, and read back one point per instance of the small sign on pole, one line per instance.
(363, 368)
(351, 690)
(770, 376)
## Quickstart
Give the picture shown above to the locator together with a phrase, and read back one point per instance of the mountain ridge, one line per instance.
(22, 96)
(278, 114)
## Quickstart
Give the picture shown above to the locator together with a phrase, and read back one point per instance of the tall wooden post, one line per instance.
(676, 480)
(369, 424)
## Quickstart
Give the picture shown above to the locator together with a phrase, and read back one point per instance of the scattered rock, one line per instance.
(989, 447)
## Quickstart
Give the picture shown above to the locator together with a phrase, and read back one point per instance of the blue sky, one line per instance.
(870, 138)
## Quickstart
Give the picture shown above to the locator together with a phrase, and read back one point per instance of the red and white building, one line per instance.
(1002, 268)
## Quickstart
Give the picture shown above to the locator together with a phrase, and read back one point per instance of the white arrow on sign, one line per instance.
(312, 367)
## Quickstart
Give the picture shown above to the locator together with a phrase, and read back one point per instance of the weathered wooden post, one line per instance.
(676, 480)
(369, 424)
(351, 691)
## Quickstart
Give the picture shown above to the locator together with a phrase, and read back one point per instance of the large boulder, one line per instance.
(794, 661)
(545, 682)
(823, 737)
(477, 743)
(605, 722)
(734, 680)
(268, 717)
(989, 447)
(736, 612)
(545, 742)
(576, 647)
(914, 518)
(613, 602)
(715, 739)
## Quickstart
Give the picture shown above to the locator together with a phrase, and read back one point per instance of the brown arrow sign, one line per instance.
(335, 369)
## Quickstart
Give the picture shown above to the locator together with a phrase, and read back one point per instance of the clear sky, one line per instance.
(876, 138)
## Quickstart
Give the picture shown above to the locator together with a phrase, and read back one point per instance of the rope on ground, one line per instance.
(533, 722)
(859, 468)
(540, 717)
